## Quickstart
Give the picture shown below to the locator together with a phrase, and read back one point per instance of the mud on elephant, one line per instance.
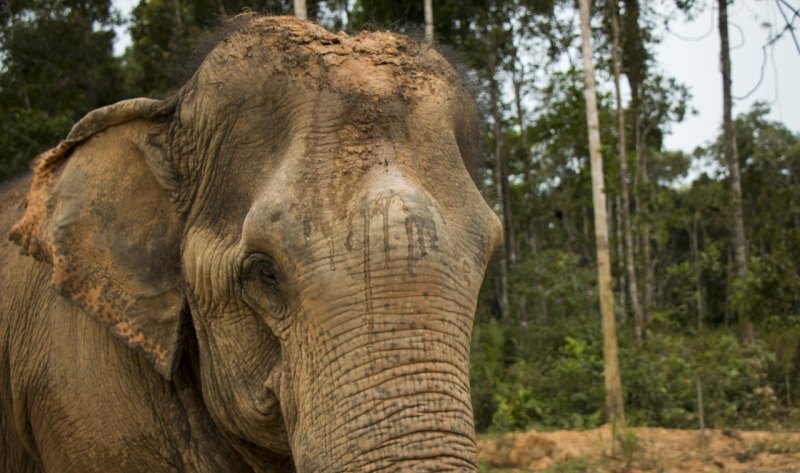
(280, 266)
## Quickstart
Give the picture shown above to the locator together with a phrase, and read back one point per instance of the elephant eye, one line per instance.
(261, 281)
(261, 267)
(267, 274)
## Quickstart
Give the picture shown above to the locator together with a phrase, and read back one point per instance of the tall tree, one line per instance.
(625, 216)
(615, 409)
(739, 240)
(518, 80)
(507, 254)
(634, 61)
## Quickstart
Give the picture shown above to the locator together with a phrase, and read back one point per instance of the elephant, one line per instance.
(275, 269)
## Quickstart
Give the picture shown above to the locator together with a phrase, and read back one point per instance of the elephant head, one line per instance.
(301, 210)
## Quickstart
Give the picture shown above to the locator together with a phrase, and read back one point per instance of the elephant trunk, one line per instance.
(384, 381)
(400, 401)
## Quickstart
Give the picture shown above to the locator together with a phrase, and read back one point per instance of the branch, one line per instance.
(760, 77)
(789, 23)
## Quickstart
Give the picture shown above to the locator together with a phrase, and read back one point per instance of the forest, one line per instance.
(703, 310)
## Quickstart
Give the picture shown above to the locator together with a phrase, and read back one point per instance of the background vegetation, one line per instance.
(537, 348)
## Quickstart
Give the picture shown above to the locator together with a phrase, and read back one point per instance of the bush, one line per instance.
(562, 387)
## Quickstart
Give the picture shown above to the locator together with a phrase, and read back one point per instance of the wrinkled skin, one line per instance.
(275, 269)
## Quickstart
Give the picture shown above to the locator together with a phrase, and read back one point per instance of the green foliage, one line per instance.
(629, 446)
(769, 156)
(556, 389)
(561, 386)
(56, 64)
(487, 362)
(555, 285)
(27, 133)
(165, 32)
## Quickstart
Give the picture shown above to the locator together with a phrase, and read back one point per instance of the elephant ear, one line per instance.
(97, 213)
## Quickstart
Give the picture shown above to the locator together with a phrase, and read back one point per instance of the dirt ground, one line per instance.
(641, 450)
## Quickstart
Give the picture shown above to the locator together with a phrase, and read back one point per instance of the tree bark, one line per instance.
(623, 281)
(429, 21)
(698, 271)
(300, 9)
(615, 409)
(625, 216)
(517, 79)
(643, 210)
(507, 256)
(649, 269)
(634, 65)
(732, 158)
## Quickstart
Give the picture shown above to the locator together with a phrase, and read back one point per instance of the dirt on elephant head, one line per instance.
(371, 64)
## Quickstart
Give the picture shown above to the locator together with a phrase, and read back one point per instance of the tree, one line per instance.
(429, 20)
(162, 31)
(300, 9)
(507, 254)
(739, 240)
(166, 32)
(56, 64)
(615, 409)
(770, 177)
(625, 217)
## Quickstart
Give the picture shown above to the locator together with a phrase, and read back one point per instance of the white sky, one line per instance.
(123, 37)
(695, 63)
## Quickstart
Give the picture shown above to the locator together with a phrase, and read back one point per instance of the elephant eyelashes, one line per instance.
(267, 275)
(262, 283)
(261, 267)
(264, 269)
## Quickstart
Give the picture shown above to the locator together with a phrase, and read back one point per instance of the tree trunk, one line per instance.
(429, 21)
(623, 281)
(649, 271)
(732, 157)
(728, 290)
(507, 256)
(641, 241)
(613, 385)
(795, 368)
(644, 210)
(300, 9)
(517, 79)
(698, 272)
(625, 216)
(634, 65)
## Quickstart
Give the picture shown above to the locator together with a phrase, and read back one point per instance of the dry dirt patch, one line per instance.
(642, 449)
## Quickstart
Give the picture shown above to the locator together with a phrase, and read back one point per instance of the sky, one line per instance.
(123, 37)
(695, 62)
(689, 51)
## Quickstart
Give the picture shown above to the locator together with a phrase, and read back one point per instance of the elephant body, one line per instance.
(274, 270)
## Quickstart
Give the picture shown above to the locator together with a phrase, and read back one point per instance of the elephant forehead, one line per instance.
(377, 64)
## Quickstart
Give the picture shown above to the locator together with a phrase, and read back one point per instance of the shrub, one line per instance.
(561, 386)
